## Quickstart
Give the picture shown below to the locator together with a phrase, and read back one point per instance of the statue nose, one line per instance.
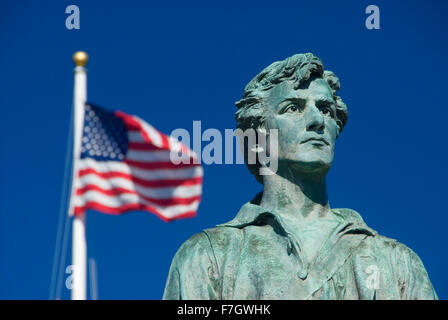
(316, 120)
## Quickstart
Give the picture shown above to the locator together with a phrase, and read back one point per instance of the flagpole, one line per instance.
(79, 244)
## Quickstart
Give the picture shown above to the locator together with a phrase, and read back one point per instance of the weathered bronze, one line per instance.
(287, 243)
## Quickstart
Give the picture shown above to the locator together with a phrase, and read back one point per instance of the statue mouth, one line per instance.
(316, 139)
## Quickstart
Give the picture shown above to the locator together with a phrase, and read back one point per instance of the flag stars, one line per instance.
(104, 135)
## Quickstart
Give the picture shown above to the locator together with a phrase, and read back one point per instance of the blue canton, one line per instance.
(104, 135)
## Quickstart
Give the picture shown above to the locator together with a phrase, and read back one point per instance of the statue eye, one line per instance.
(327, 112)
(292, 108)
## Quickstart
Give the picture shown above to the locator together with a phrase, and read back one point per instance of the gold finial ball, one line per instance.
(80, 58)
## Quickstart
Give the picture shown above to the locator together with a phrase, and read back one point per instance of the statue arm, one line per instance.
(414, 280)
(193, 273)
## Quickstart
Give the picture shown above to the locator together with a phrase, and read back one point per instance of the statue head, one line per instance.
(299, 99)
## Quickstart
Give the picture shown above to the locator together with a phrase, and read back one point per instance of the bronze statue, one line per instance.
(287, 243)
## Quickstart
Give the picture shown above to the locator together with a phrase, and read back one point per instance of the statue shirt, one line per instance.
(254, 256)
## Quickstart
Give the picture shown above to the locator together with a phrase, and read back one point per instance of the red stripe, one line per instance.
(118, 191)
(142, 182)
(159, 165)
(130, 207)
(165, 141)
(132, 124)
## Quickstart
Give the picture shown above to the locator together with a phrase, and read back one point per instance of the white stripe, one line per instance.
(135, 136)
(146, 174)
(118, 201)
(153, 134)
(156, 156)
(148, 156)
(152, 192)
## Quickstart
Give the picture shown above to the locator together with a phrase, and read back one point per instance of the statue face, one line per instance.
(306, 122)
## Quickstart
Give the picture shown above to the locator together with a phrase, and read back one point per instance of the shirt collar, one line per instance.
(251, 213)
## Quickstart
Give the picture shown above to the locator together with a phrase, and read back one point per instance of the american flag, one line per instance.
(125, 165)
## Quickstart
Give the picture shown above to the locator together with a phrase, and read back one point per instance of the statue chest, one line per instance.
(265, 268)
(312, 238)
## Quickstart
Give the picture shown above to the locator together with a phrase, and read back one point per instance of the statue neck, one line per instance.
(296, 196)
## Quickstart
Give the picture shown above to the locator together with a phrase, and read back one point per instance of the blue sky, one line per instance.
(174, 62)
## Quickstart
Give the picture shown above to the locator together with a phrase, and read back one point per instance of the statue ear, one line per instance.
(339, 123)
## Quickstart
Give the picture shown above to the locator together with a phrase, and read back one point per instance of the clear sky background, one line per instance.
(172, 62)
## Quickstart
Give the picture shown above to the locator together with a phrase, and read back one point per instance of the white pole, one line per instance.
(79, 245)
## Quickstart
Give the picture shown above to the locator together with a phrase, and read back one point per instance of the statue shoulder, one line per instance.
(193, 273)
(208, 243)
(195, 248)
(378, 240)
(411, 273)
(349, 215)
(223, 238)
(404, 263)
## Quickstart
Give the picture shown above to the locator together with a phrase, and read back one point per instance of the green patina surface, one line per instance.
(287, 243)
